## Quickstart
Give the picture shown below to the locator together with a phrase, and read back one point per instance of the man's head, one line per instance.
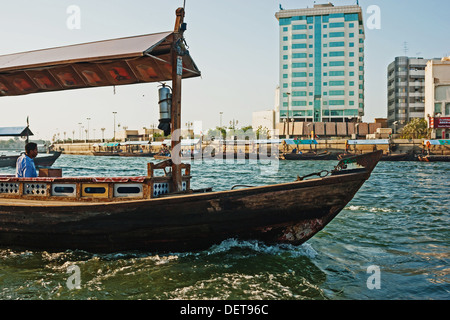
(31, 149)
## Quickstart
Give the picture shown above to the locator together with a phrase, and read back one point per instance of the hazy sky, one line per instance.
(234, 44)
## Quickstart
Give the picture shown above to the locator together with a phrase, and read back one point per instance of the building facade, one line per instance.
(405, 91)
(321, 64)
(437, 97)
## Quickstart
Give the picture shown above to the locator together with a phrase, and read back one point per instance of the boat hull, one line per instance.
(387, 157)
(272, 214)
(434, 158)
(307, 156)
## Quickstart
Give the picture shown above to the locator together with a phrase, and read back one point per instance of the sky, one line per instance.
(234, 43)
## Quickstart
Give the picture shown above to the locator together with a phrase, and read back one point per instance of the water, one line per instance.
(398, 222)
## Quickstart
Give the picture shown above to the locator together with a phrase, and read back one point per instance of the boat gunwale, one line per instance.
(334, 179)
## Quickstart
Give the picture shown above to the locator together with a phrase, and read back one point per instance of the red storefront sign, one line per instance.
(441, 122)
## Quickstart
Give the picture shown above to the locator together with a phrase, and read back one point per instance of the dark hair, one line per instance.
(30, 146)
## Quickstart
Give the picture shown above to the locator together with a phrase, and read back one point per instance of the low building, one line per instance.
(437, 97)
(264, 119)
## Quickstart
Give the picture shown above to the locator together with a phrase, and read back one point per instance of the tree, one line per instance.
(262, 132)
(416, 129)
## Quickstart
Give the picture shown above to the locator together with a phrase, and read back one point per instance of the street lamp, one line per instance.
(395, 126)
(114, 113)
(88, 128)
(189, 124)
(287, 117)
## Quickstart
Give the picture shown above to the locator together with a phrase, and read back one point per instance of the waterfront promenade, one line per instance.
(336, 146)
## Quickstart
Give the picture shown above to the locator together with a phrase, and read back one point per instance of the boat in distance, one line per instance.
(288, 213)
(42, 160)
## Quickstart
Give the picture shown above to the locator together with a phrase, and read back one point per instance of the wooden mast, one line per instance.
(177, 75)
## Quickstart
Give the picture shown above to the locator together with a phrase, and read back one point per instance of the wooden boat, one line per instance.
(138, 213)
(385, 157)
(307, 156)
(155, 212)
(137, 154)
(42, 160)
(434, 158)
(105, 153)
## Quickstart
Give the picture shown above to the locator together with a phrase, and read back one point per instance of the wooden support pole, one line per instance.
(177, 75)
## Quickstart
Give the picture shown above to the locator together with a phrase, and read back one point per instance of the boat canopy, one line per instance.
(299, 141)
(184, 142)
(439, 142)
(369, 141)
(138, 59)
(15, 132)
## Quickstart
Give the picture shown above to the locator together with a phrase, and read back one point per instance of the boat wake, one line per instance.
(304, 250)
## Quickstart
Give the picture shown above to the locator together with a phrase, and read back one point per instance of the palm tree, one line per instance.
(416, 129)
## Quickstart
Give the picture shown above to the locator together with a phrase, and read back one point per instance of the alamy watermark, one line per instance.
(374, 20)
(74, 280)
(374, 280)
(73, 21)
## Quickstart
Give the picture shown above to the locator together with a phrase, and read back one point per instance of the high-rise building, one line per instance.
(321, 63)
(437, 97)
(405, 90)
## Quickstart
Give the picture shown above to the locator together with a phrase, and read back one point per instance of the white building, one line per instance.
(321, 63)
(437, 97)
(265, 120)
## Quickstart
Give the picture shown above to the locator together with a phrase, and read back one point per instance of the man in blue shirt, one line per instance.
(25, 167)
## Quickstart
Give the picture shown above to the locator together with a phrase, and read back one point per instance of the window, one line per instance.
(299, 84)
(336, 102)
(299, 65)
(298, 46)
(437, 107)
(298, 27)
(299, 103)
(298, 74)
(285, 47)
(337, 24)
(337, 83)
(285, 29)
(351, 112)
(285, 21)
(337, 44)
(351, 17)
(336, 34)
(337, 53)
(298, 55)
(351, 35)
(337, 92)
(298, 36)
(299, 94)
(337, 73)
(337, 63)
